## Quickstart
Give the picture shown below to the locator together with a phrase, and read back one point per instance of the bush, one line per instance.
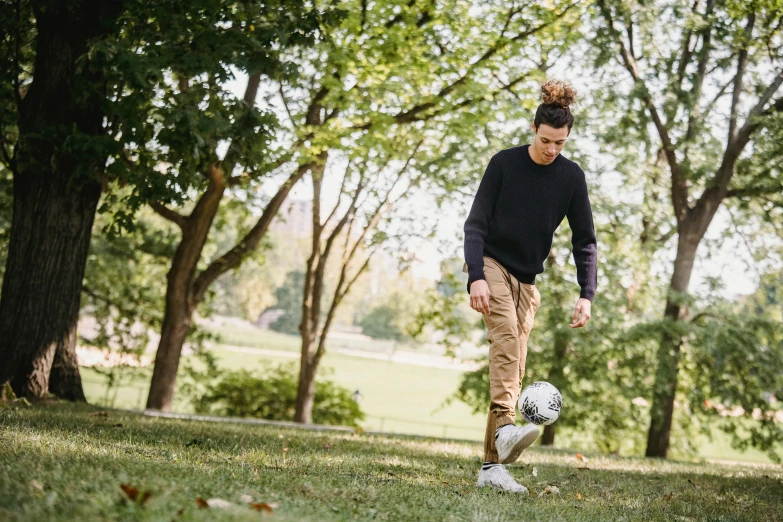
(271, 394)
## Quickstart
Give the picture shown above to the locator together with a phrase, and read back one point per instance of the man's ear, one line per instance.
(533, 128)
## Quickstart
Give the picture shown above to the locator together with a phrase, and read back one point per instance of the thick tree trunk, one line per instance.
(39, 308)
(665, 386)
(65, 381)
(56, 193)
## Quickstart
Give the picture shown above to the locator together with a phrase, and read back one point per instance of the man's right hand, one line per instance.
(479, 296)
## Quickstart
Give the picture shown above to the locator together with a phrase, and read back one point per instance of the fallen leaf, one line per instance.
(578, 496)
(220, 503)
(668, 497)
(99, 414)
(261, 506)
(535, 471)
(36, 485)
(581, 457)
(550, 489)
(285, 449)
(118, 425)
(135, 495)
(201, 503)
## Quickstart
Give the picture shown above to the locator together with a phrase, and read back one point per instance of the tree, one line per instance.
(53, 94)
(173, 156)
(417, 112)
(702, 53)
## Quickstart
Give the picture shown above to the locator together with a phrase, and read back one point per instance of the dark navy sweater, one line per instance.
(518, 207)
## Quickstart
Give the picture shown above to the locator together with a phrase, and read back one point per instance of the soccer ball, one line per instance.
(540, 403)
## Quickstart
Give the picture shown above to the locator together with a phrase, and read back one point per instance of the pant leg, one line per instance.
(503, 335)
(512, 306)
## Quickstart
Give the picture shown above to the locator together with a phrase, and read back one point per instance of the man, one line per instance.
(524, 195)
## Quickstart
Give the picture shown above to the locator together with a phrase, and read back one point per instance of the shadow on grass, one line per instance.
(83, 457)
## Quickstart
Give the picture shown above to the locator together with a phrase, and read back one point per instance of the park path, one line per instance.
(415, 359)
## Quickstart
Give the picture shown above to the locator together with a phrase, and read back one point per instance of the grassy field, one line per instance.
(397, 398)
(66, 462)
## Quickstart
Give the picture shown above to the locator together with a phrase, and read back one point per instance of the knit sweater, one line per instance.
(519, 205)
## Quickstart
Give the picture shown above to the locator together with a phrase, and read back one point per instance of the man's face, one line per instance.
(548, 142)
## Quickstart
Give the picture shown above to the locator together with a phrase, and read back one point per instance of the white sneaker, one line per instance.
(498, 477)
(513, 440)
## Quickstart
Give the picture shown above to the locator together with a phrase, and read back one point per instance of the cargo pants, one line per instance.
(512, 308)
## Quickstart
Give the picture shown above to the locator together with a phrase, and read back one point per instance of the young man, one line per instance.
(524, 195)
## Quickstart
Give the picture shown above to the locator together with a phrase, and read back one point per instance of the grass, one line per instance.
(396, 397)
(66, 462)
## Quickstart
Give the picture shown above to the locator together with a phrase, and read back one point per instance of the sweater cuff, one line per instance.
(475, 274)
(587, 294)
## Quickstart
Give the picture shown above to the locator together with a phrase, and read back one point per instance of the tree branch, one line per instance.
(287, 109)
(679, 189)
(169, 214)
(233, 257)
(701, 70)
(412, 114)
(742, 61)
(249, 99)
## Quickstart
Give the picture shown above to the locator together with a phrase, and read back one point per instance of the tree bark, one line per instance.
(665, 387)
(556, 375)
(180, 301)
(186, 288)
(65, 381)
(55, 198)
(305, 394)
(176, 324)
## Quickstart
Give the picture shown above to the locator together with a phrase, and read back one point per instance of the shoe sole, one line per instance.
(523, 444)
(502, 489)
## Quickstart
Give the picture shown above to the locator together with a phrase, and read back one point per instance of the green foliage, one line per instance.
(380, 323)
(271, 394)
(289, 299)
(444, 312)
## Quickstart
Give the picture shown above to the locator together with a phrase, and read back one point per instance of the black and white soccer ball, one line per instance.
(540, 403)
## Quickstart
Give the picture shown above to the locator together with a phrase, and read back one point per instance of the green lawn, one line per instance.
(66, 462)
(399, 398)
(396, 397)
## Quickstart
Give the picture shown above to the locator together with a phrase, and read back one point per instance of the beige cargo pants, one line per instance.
(512, 308)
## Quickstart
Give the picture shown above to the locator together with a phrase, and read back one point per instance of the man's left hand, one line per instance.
(581, 313)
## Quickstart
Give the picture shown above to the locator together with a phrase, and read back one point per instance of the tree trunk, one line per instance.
(39, 308)
(65, 381)
(665, 386)
(56, 192)
(557, 376)
(176, 324)
(305, 394)
(180, 299)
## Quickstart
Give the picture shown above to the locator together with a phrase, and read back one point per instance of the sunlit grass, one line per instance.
(65, 462)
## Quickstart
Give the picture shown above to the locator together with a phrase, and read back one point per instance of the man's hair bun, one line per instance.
(558, 92)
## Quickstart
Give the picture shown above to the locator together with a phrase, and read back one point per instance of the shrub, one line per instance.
(271, 394)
